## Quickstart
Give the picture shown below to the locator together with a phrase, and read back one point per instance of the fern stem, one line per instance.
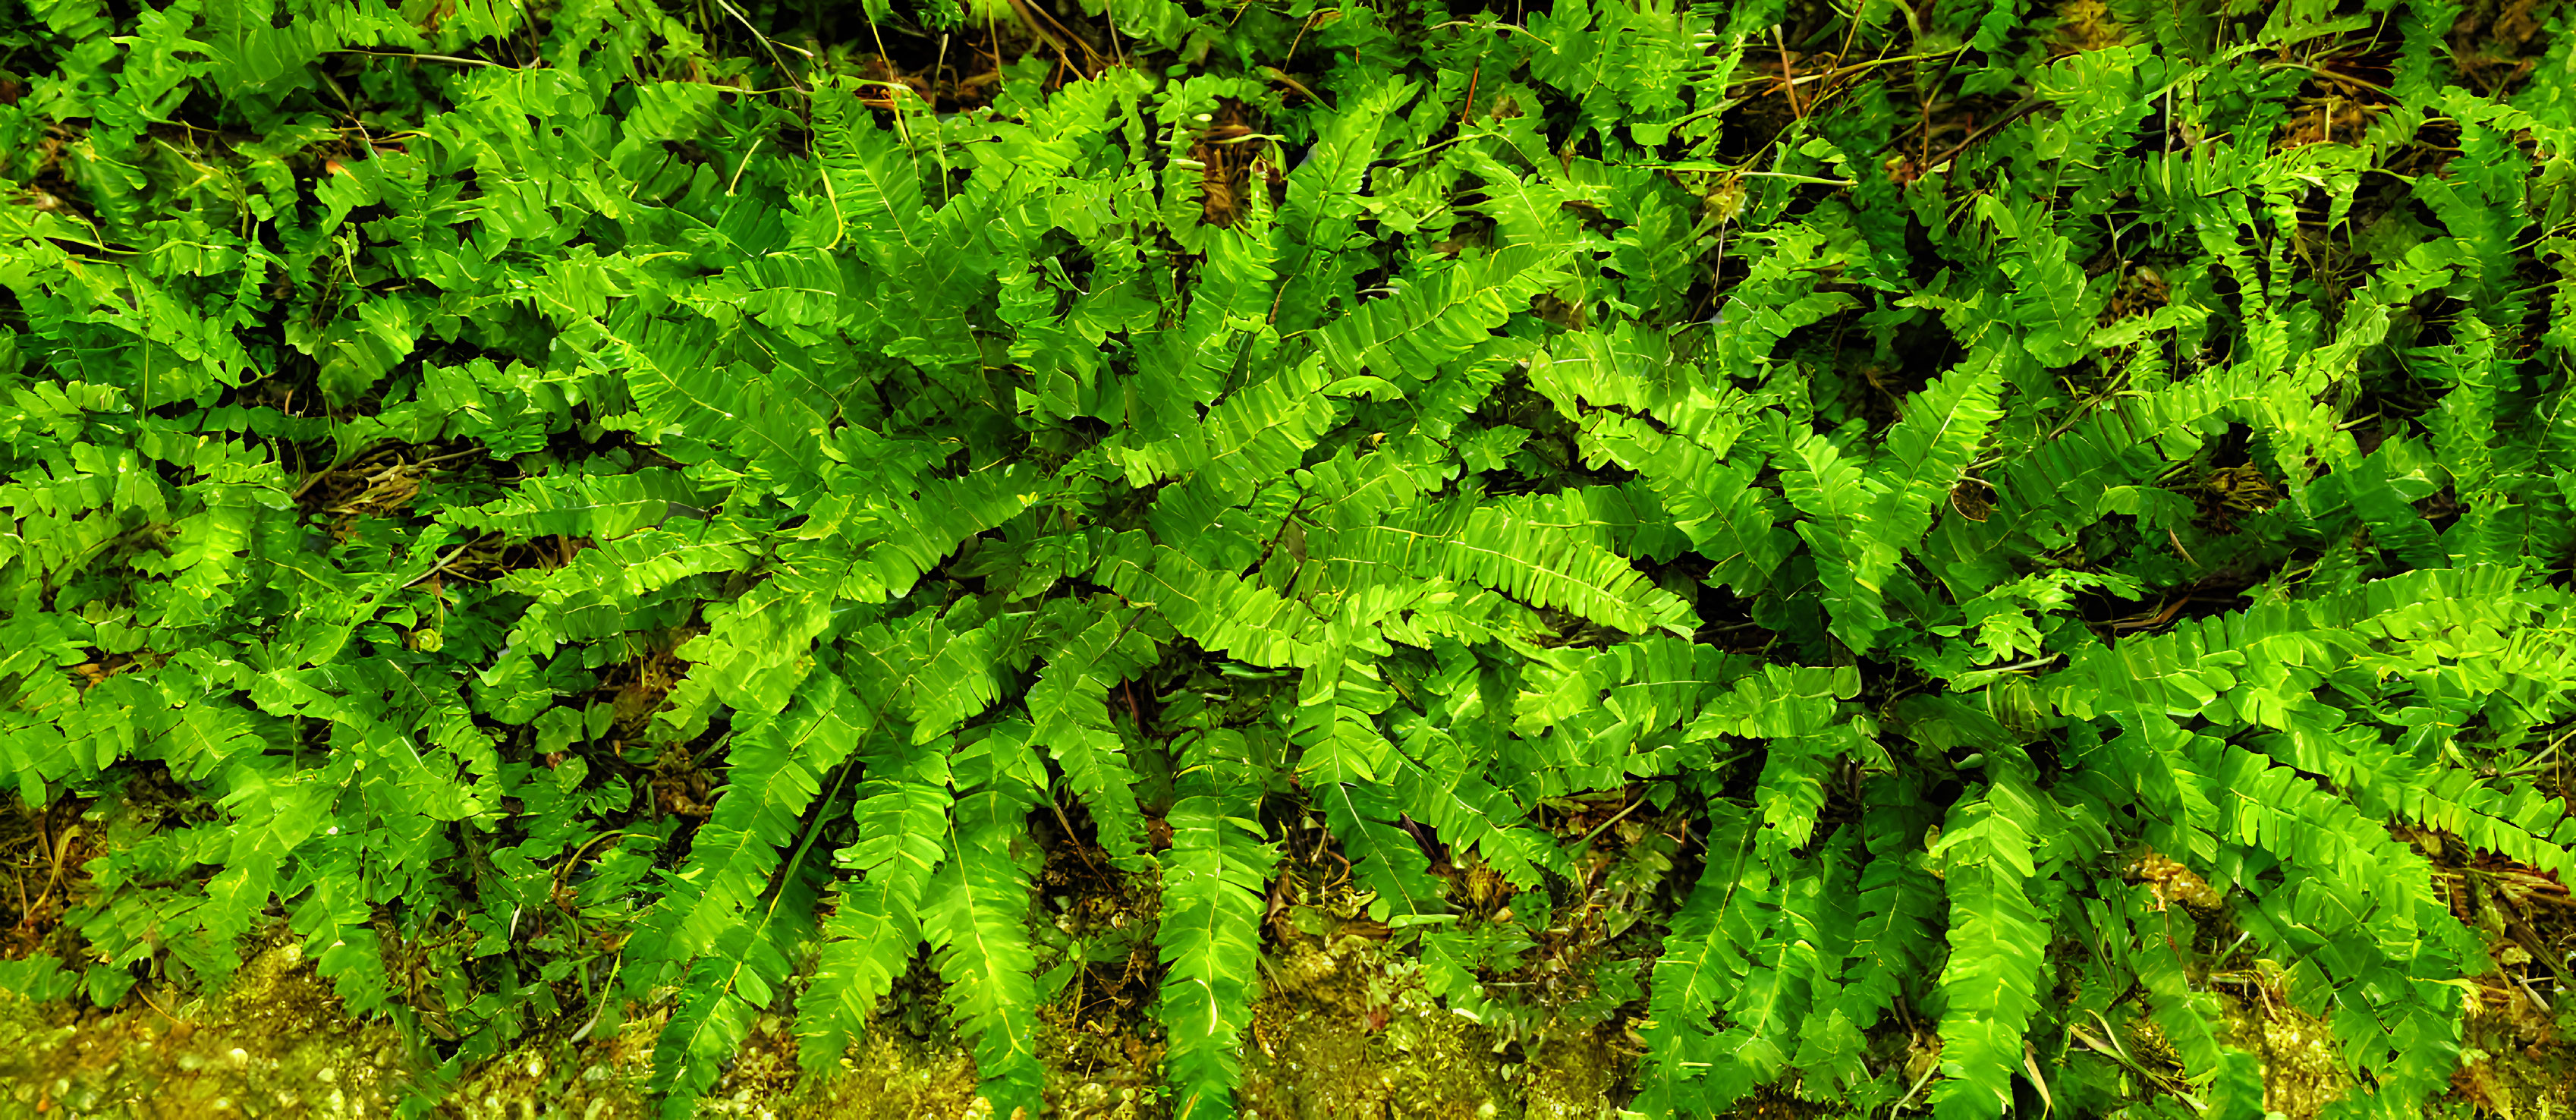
(1597, 829)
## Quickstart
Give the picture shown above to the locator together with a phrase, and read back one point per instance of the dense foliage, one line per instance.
(1804, 537)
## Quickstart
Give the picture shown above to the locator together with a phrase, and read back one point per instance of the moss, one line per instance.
(1572, 1078)
(894, 1076)
(1347, 1031)
(2518, 1064)
(1103, 1070)
(545, 1076)
(1420, 1060)
(274, 1043)
(893, 1073)
(2303, 1066)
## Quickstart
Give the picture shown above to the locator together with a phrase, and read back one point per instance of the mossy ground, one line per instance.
(1357, 1037)
(1345, 1031)
(2519, 1064)
(273, 1043)
(1343, 1034)
(1346, 1028)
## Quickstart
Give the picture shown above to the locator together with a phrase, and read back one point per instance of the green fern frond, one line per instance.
(2525, 825)
(1893, 938)
(1337, 414)
(1792, 787)
(1613, 373)
(1656, 250)
(2275, 808)
(2382, 499)
(1385, 859)
(1223, 613)
(1528, 210)
(777, 769)
(1775, 1016)
(2157, 954)
(1466, 809)
(755, 651)
(875, 927)
(778, 764)
(1252, 436)
(1837, 497)
(1688, 1071)
(724, 991)
(1316, 225)
(1069, 706)
(1509, 546)
(1780, 701)
(2397, 1021)
(1210, 943)
(2050, 300)
(1164, 23)
(334, 920)
(974, 910)
(1621, 63)
(1624, 693)
(876, 191)
(1735, 524)
(1436, 317)
(1998, 941)
(961, 679)
(912, 533)
(1344, 763)
(1776, 296)
(1937, 433)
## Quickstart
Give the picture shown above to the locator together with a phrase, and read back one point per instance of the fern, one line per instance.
(1465, 806)
(1346, 761)
(1317, 224)
(875, 927)
(1222, 613)
(1835, 493)
(1997, 940)
(1937, 433)
(1512, 551)
(1436, 318)
(1897, 902)
(1069, 706)
(1210, 945)
(736, 895)
(1687, 1069)
(525, 538)
(977, 903)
